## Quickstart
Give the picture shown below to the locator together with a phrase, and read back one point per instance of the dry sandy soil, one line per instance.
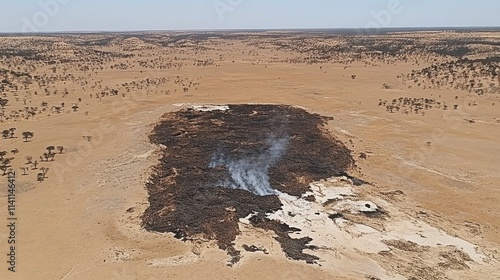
(435, 173)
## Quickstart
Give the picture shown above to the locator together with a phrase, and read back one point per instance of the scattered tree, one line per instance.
(39, 177)
(25, 170)
(6, 134)
(50, 149)
(44, 171)
(42, 175)
(3, 102)
(27, 135)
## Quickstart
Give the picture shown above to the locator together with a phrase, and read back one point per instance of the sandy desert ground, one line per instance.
(420, 113)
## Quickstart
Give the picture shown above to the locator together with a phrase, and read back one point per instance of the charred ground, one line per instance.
(186, 196)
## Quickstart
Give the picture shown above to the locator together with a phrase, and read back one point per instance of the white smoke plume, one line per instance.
(252, 172)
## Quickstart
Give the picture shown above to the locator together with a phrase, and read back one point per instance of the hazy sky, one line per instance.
(125, 15)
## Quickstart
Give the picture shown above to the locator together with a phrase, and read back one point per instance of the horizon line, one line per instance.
(410, 28)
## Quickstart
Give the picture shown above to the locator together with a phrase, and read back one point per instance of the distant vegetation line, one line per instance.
(343, 31)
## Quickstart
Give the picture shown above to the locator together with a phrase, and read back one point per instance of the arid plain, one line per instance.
(419, 111)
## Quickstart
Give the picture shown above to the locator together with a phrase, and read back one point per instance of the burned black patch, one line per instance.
(221, 166)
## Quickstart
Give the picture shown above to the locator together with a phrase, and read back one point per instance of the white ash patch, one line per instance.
(325, 193)
(348, 241)
(208, 108)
